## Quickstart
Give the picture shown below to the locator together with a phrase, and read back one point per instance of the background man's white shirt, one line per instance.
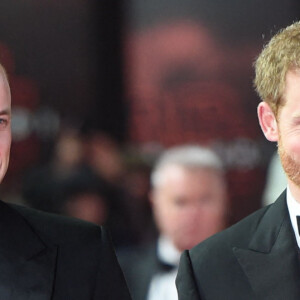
(162, 286)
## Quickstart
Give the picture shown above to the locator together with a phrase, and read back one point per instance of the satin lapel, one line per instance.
(147, 269)
(271, 261)
(27, 265)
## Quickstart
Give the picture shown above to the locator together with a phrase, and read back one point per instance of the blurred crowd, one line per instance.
(89, 176)
(155, 202)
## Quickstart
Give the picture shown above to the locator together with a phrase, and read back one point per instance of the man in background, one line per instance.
(258, 258)
(189, 204)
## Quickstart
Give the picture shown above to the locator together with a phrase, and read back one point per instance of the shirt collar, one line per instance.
(167, 252)
(294, 211)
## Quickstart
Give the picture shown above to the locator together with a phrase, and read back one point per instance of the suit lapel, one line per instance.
(148, 267)
(271, 260)
(27, 265)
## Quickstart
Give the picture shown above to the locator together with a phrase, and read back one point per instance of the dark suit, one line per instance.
(45, 257)
(255, 259)
(139, 269)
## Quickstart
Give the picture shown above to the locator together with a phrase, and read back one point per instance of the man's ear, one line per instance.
(267, 121)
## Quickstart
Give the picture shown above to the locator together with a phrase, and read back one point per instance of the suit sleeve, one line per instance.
(110, 283)
(185, 281)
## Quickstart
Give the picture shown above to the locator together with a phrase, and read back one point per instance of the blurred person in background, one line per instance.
(45, 256)
(189, 202)
(66, 159)
(88, 197)
(83, 180)
(84, 196)
(136, 184)
(103, 157)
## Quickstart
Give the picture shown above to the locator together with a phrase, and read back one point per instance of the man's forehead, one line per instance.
(181, 171)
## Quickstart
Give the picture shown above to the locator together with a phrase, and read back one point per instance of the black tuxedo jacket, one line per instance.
(256, 258)
(139, 267)
(45, 257)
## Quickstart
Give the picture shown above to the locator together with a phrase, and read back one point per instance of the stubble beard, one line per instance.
(290, 166)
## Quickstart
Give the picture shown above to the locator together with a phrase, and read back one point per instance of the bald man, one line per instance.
(44, 256)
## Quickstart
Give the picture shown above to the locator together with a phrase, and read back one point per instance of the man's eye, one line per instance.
(3, 123)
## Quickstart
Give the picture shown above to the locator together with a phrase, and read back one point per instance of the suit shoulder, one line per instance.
(59, 229)
(237, 235)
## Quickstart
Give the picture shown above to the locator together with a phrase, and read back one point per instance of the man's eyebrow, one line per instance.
(5, 112)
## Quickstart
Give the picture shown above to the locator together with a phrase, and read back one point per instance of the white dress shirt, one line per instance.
(162, 286)
(294, 211)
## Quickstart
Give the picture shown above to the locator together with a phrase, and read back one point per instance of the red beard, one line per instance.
(290, 165)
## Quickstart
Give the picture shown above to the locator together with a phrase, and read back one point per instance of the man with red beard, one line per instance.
(259, 257)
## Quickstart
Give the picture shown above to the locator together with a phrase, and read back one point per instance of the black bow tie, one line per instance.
(164, 267)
